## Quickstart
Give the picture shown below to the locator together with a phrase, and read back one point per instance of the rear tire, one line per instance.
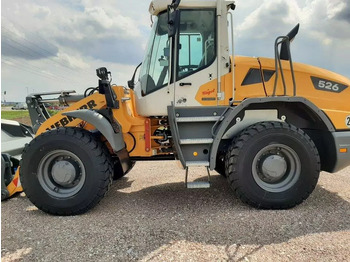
(66, 171)
(273, 165)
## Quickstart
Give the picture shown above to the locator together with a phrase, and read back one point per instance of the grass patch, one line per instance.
(9, 115)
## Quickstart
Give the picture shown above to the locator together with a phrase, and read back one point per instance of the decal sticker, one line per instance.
(347, 121)
(181, 100)
(208, 92)
(208, 98)
(327, 85)
(65, 120)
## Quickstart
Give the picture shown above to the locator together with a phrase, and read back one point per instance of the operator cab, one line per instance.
(176, 66)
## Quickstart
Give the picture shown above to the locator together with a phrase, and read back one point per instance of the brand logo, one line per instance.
(65, 120)
(208, 92)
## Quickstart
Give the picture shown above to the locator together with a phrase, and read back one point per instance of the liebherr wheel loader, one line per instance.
(269, 125)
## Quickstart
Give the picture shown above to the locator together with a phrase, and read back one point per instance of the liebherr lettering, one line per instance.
(65, 120)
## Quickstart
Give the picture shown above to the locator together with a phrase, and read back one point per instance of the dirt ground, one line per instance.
(150, 216)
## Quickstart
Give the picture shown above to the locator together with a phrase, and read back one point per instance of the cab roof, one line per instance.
(158, 6)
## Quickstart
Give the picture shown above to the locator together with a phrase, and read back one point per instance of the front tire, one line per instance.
(273, 165)
(66, 171)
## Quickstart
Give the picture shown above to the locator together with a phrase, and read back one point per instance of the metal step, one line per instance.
(199, 184)
(197, 163)
(198, 119)
(192, 141)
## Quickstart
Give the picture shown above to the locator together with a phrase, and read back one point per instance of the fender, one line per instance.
(226, 130)
(102, 124)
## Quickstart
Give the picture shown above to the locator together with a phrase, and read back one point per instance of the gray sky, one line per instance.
(49, 45)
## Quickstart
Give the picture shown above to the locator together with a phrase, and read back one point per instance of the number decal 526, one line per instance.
(327, 85)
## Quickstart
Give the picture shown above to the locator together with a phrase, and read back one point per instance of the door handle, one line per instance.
(185, 84)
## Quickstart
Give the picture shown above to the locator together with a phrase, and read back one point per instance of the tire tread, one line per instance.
(236, 147)
(102, 158)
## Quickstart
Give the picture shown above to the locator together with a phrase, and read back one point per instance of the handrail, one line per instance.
(278, 65)
(233, 57)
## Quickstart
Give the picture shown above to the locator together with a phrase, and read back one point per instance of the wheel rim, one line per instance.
(61, 173)
(276, 168)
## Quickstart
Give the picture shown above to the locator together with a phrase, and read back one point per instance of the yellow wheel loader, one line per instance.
(268, 125)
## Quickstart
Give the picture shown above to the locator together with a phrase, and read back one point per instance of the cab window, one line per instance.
(155, 67)
(196, 41)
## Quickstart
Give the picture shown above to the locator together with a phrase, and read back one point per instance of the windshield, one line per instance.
(154, 71)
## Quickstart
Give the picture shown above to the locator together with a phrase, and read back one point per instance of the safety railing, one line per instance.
(278, 65)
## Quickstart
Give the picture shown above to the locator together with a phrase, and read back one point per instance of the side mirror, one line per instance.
(173, 17)
(173, 20)
(131, 83)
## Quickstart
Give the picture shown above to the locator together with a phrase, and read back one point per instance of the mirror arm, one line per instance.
(131, 83)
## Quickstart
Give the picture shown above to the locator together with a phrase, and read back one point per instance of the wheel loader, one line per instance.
(268, 125)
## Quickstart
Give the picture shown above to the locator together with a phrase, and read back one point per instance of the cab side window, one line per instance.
(197, 45)
(154, 70)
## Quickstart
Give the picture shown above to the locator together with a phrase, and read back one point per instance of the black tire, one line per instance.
(220, 165)
(66, 171)
(273, 165)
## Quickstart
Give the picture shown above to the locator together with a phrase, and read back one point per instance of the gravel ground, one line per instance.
(149, 216)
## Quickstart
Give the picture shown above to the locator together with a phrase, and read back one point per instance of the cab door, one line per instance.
(195, 51)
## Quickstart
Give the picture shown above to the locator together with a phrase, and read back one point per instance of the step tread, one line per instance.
(197, 163)
(199, 184)
(189, 141)
(198, 119)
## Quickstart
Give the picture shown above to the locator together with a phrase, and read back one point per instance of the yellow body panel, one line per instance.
(242, 67)
(95, 101)
(207, 93)
(132, 124)
(335, 105)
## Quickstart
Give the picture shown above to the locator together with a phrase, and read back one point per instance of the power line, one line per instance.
(31, 66)
(41, 55)
(26, 49)
(19, 48)
(29, 69)
(36, 45)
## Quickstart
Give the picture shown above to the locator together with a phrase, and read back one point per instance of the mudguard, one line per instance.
(102, 124)
(229, 119)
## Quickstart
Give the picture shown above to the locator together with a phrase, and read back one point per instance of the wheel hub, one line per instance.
(63, 173)
(273, 168)
(276, 168)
